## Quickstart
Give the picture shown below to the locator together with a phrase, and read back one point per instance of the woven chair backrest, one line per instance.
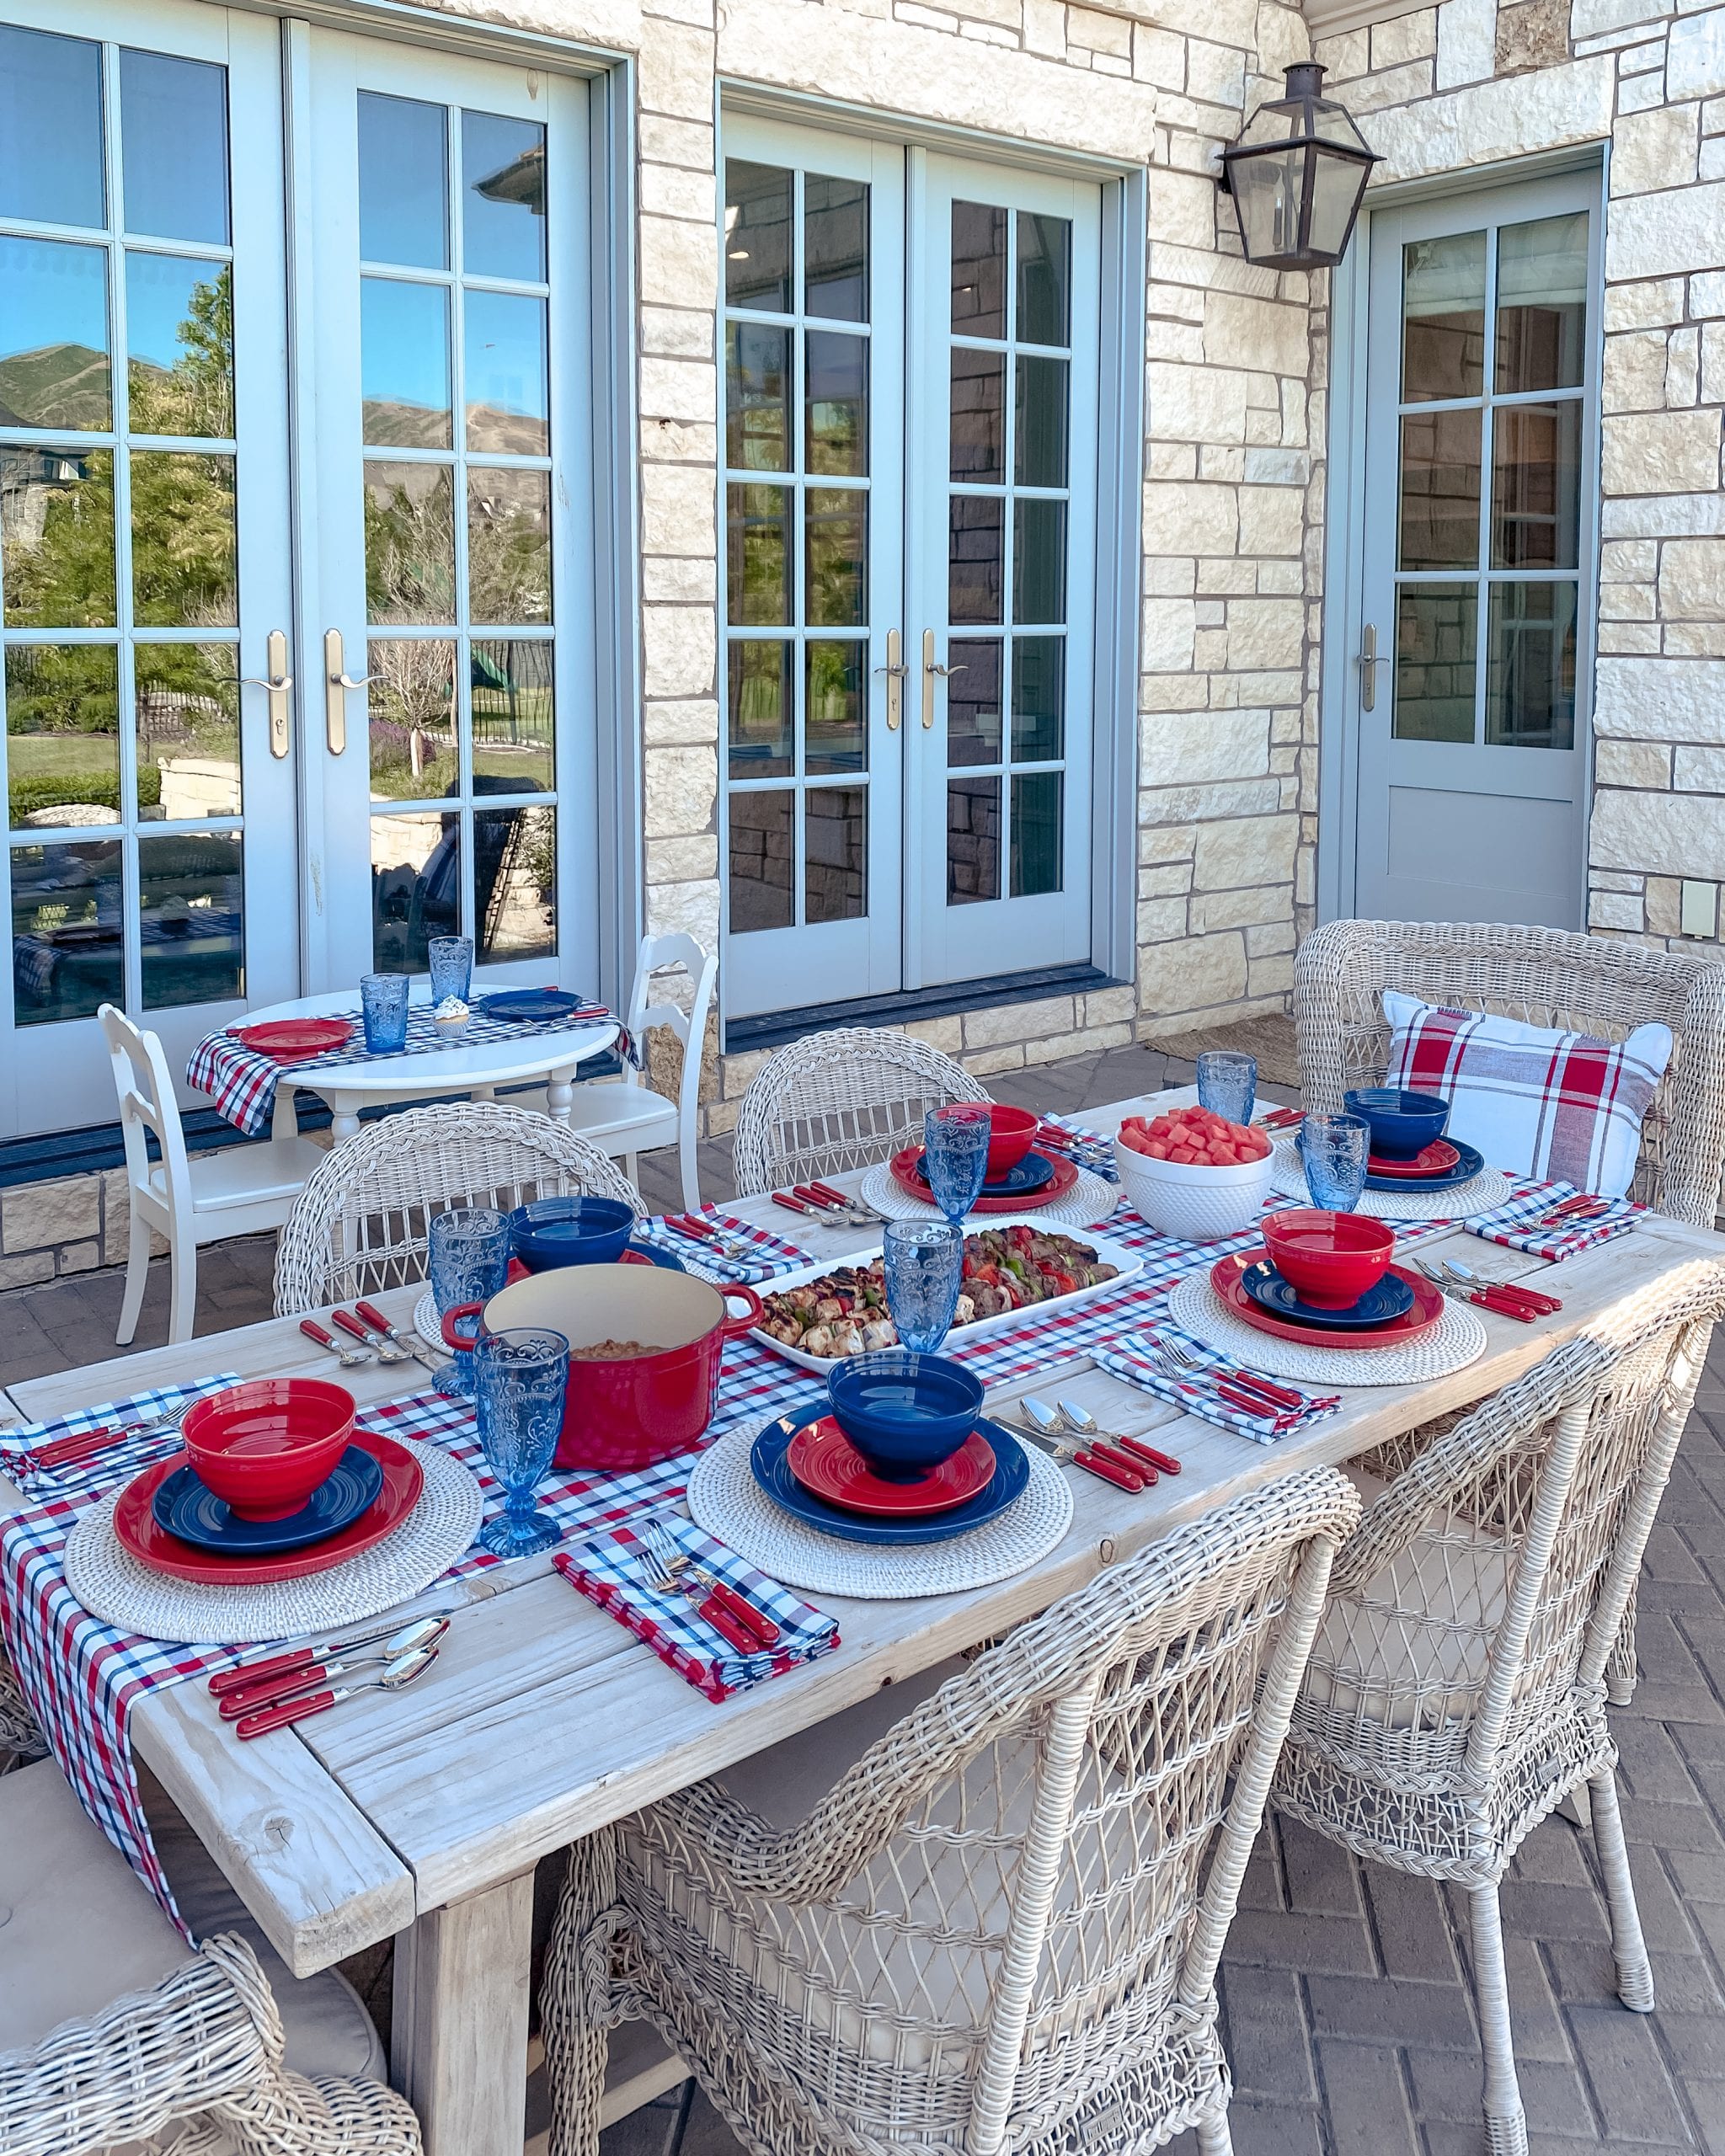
(910, 1879)
(846, 1099)
(1545, 977)
(361, 1221)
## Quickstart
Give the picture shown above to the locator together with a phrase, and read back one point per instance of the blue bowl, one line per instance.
(555, 1231)
(904, 1412)
(1403, 1124)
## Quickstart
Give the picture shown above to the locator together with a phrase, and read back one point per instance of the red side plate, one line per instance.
(829, 1467)
(287, 1039)
(139, 1537)
(1437, 1159)
(1428, 1309)
(1066, 1174)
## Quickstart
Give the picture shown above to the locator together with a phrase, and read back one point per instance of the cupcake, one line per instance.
(450, 1017)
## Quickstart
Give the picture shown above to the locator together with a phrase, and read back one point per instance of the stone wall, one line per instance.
(1474, 83)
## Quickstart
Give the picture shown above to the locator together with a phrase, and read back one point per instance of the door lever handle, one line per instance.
(337, 681)
(1368, 663)
(279, 683)
(894, 670)
(930, 669)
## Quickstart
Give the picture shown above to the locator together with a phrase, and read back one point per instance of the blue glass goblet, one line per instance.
(522, 1379)
(468, 1256)
(955, 1153)
(383, 1003)
(451, 961)
(1227, 1084)
(1333, 1151)
(924, 1261)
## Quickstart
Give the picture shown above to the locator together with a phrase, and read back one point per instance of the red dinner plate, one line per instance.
(139, 1537)
(1437, 1159)
(829, 1467)
(1428, 1309)
(288, 1038)
(1066, 1174)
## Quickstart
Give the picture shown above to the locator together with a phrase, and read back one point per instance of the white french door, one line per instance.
(911, 369)
(150, 857)
(295, 562)
(1482, 457)
(451, 309)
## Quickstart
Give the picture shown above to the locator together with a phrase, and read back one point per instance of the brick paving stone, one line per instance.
(1447, 2089)
(1619, 2055)
(1364, 2101)
(1389, 2010)
(1413, 1926)
(1277, 1940)
(1320, 1877)
(1267, 2048)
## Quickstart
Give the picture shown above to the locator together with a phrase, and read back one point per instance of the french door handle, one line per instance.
(279, 683)
(894, 670)
(337, 681)
(930, 672)
(1368, 663)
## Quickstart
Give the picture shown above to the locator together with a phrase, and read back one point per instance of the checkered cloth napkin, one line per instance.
(1512, 1224)
(769, 1255)
(83, 1678)
(1089, 1148)
(1133, 1358)
(241, 1080)
(606, 1569)
(118, 1463)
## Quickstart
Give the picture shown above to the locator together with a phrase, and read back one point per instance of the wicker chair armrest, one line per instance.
(1164, 1591)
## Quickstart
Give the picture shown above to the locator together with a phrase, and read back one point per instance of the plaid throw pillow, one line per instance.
(1562, 1107)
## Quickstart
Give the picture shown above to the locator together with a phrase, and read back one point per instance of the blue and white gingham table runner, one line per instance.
(241, 1081)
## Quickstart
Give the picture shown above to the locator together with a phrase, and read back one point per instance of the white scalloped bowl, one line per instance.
(1195, 1203)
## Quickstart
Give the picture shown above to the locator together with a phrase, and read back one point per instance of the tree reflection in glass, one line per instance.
(187, 719)
(185, 542)
(179, 345)
(56, 537)
(411, 704)
(509, 545)
(410, 543)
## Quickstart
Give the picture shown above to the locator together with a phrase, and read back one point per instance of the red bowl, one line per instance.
(1331, 1259)
(1010, 1131)
(263, 1448)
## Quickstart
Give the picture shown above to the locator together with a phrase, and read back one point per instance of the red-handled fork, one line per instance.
(384, 1350)
(262, 1691)
(408, 1342)
(347, 1357)
(279, 1714)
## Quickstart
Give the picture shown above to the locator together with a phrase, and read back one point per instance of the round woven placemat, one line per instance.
(112, 1585)
(1458, 1338)
(728, 1502)
(1089, 1201)
(428, 1325)
(1484, 1194)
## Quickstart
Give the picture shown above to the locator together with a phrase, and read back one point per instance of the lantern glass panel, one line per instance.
(1266, 190)
(1337, 185)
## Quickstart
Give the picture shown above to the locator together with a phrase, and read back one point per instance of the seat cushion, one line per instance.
(79, 1929)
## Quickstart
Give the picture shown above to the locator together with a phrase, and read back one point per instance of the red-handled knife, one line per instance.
(795, 1204)
(259, 1691)
(1164, 1462)
(752, 1620)
(712, 1611)
(1109, 1468)
(281, 1713)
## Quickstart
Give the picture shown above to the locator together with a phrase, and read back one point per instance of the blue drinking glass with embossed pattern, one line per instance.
(520, 1384)
(1333, 1151)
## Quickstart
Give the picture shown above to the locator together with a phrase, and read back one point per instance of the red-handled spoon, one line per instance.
(347, 1357)
(261, 1691)
(380, 1347)
(408, 1342)
(280, 1714)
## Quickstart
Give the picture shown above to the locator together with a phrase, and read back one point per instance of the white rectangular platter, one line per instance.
(1128, 1262)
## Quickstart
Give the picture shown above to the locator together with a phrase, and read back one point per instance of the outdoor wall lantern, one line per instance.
(1296, 175)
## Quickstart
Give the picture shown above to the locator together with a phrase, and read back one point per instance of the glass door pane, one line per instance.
(1004, 475)
(141, 463)
(452, 464)
(813, 327)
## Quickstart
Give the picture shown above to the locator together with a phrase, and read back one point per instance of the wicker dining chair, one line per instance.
(361, 1223)
(1456, 1692)
(20, 1740)
(996, 1927)
(846, 1099)
(1545, 977)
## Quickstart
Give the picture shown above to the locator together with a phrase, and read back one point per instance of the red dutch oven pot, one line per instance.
(628, 1410)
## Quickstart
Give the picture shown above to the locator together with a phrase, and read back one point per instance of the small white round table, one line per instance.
(478, 1071)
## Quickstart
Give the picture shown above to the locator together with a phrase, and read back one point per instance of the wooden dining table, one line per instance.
(421, 1814)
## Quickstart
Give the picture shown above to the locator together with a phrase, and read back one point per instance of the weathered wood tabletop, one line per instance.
(423, 1813)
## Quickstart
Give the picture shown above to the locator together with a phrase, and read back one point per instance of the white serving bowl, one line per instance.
(1193, 1203)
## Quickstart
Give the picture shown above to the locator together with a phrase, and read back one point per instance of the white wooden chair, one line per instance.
(997, 1925)
(115, 2035)
(841, 1099)
(240, 1191)
(361, 1223)
(1544, 977)
(1456, 1693)
(629, 1118)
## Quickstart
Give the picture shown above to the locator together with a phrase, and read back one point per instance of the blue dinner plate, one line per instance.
(772, 1472)
(1029, 1174)
(184, 1507)
(527, 1005)
(1465, 1170)
(1390, 1298)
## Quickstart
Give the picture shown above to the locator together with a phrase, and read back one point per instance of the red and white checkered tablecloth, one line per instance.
(83, 1678)
(241, 1081)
